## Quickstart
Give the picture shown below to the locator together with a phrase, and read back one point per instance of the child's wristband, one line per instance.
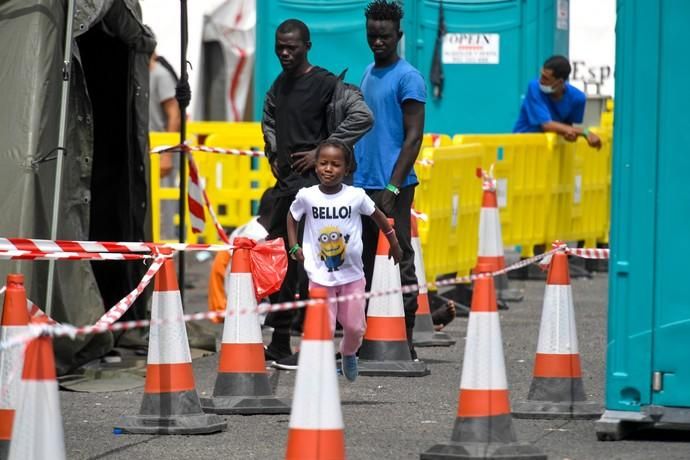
(585, 133)
(294, 249)
(389, 232)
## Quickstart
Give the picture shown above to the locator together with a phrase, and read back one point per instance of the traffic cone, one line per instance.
(483, 426)
(491, 257)
(316, 422)
(15, 318)
(424, 333)
(242, 385)
(385, 350)
(556, 390)
(171, 404)
(37, 433)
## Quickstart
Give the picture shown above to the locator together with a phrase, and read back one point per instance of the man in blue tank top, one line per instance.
(395, 92)
(551, 104)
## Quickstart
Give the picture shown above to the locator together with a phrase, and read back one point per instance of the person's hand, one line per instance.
(593, 140)
(304, 161)
(298, 255)
(274, 168)
(570, 135)
(395, 251)
(166, 164)
(385, 200)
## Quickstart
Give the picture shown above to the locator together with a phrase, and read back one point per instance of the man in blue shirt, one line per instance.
(395, 92)
(554, 105)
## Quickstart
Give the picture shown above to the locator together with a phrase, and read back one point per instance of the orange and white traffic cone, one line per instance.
(316, 421)
(15, 318)
(556, 390)
(424, 333)
(483, 426)
(37, 432)
(385, 350)
(242, 385)
(171, 403)
(491, 257)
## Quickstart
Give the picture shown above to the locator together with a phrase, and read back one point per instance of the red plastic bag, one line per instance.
(267, 262)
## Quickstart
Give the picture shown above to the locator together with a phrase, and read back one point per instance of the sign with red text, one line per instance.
(461, 48)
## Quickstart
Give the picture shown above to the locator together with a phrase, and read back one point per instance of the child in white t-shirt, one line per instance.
(332, 253)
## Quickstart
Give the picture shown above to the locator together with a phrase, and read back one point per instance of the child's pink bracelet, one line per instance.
(389, 231)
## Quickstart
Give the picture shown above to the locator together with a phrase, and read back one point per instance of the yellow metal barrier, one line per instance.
(582, 192)
(160, 194)
(526, 169)
(436, 140)
(449, 193)
(233, 183)
(245, 133)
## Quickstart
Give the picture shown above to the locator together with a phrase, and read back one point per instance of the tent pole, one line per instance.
(182, 156)
(62, 130)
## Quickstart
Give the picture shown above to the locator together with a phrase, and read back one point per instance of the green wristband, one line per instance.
(294, 249)
(585, 133)
(393, 188)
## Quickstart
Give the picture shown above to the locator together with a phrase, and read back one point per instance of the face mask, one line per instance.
(546, 89)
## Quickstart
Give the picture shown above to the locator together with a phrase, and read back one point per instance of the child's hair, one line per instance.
(348, 155)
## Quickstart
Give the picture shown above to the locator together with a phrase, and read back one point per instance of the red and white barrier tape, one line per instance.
(30, 255)
(207, 149)
(589, 253)
(200, 218)
(126, 303)
(488, 179)
(38, 246)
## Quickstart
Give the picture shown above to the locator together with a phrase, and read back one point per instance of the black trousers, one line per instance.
(370, 232)
(296, 281)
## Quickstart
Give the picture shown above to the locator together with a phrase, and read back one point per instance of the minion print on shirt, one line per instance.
(332, 246)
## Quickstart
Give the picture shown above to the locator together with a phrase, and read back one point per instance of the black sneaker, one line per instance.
(271, 355)
(287, 364)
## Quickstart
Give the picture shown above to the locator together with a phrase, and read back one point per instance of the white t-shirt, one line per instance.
(332, 243)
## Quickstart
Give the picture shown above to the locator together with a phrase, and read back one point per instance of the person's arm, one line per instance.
(268, 127)
(395, 251)
(357, 120)
(295, 250)
(571, 133)
(413, 123)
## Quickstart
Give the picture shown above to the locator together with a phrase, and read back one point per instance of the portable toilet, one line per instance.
(648, 355)
(492, 49)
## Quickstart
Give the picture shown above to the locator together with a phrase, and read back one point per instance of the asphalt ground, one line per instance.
(385, 417)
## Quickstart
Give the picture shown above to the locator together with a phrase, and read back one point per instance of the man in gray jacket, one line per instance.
(305, 105)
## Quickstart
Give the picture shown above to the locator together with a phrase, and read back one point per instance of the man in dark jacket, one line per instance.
(305, 106)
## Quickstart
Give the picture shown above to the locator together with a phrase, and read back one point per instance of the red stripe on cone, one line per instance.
(386, 328)
(483, 403)
(488, 264)
(317, 325)
(559, 274)
(38, 360)
(14, 311)
(242, 357)
(166, 280)
(240, 260)
(423, 304)
(484, 295)
(169, 378)
(6, 419)
(489, 199)
(315, 444)
(557, 366)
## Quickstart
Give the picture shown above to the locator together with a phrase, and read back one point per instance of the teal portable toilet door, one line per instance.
(671, 339)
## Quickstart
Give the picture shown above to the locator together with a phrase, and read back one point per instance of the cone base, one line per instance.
(393, 368)
(245, 384)
(245, 405)
(4, 448)
(385, 350)
(472, 450)
(434, 339)
(577, 410)
(176, 424)
(425, 336)
(510, 295)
